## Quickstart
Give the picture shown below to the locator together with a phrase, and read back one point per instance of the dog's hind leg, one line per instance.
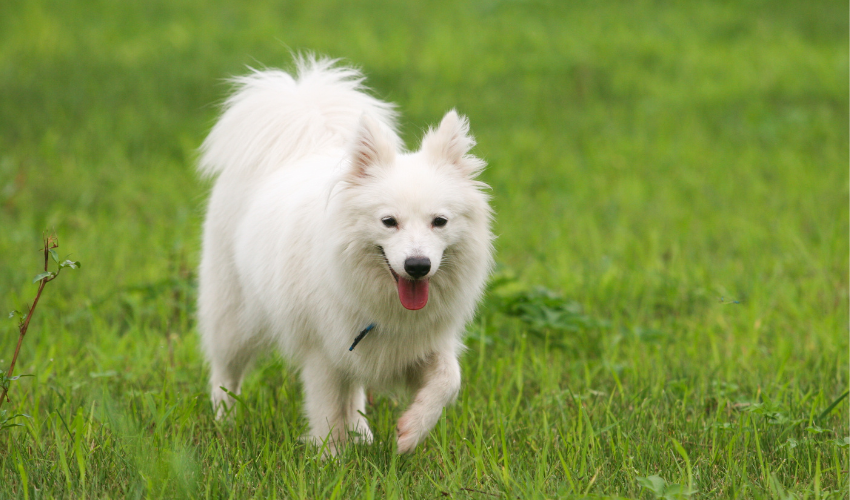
(230, 349)
(227, 369)
(229, 339)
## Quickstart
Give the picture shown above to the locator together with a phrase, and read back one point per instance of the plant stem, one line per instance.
(26, 323)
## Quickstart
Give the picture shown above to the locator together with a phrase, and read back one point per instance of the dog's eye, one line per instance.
(439, 221)
(390, 221)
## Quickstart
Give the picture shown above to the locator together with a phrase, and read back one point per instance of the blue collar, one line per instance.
(361, 335)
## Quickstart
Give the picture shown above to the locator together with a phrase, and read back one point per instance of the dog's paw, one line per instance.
(408, 437)
(413, 427)
(327, 446)
(361, 435)
(223, 405)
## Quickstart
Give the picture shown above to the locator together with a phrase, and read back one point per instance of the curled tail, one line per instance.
(273, 117)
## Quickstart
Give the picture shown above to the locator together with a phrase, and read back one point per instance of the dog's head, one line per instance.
(415, 212)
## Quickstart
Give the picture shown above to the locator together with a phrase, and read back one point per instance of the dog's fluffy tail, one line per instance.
(272, 118)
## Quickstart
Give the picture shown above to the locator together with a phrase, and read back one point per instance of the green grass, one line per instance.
(678, 171)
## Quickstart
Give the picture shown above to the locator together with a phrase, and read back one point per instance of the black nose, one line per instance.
(417, 267)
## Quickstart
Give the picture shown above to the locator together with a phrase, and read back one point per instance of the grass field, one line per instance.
(669, 318)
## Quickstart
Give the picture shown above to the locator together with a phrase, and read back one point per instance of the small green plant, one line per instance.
(664, 490)
(541, 310)
(50, 244)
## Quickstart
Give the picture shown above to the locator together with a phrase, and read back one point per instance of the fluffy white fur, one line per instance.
(307, 167)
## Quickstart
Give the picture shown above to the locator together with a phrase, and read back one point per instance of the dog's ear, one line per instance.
(372, 148)
(450, 143)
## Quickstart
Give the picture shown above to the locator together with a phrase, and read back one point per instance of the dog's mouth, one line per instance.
(413, 294)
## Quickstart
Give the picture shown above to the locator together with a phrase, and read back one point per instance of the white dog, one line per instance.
(321, 230)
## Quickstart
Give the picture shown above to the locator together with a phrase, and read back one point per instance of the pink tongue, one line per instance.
(413, 294)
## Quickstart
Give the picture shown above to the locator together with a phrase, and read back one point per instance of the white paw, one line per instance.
(223, 404)
(333, 443)
(361, 434)
(413, 427)
(329, 446)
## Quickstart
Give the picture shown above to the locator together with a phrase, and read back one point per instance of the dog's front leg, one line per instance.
(438, 383)
(334, 406)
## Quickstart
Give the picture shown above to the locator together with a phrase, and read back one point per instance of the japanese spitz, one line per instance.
(322, 230)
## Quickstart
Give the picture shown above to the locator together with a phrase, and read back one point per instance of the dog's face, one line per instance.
(413, 208)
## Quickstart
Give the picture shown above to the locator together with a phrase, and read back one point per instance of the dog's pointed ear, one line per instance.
(372, 148)
(450, 143)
